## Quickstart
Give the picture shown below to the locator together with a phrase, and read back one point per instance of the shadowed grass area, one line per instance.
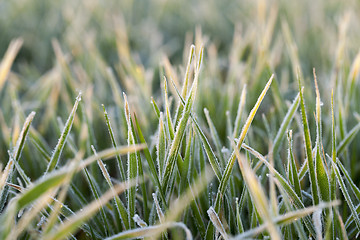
(169, 119)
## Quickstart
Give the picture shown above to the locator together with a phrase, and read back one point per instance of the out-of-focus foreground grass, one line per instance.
(200, 141)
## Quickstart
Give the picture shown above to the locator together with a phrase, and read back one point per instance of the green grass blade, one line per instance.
(347, 196)
(113, 141)
(14, 158)
(214, 162)
(348, 139)
(308, 148)
(150, 161)
(119, 206)
(62, 140)
(239, 113)
(214, 136)
(285, 124)
(91, 181)
(180, 129)
(293, 169)
(132, 166)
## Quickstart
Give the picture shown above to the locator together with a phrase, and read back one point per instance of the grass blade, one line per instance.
(62, 140)
(308, 148)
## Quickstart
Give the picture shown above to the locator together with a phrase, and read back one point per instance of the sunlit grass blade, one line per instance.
(8, 60)
(231, 161)
(257, 194)
(308, 148)
(62, 140)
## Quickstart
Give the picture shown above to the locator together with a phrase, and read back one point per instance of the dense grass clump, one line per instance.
(179, 120)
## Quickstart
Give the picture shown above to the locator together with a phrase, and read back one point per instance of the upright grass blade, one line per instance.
(132, 166)
(94, 189)
(161, 146)
(308, 148)
(185, 84)
(62, 140)
(113, 141)
(180, 129)
(119, 206)
(150, 161)
(284, 125)
(294, 179)
(209, 151)
(230, 164)
(321, 172)
(215, 136)
(239, 113)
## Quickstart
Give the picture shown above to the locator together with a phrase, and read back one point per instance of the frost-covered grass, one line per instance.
(179, 120)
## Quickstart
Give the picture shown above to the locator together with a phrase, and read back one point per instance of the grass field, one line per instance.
(179, 119)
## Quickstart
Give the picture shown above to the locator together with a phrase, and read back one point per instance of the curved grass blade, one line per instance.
(348, 139)
(62, 140)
